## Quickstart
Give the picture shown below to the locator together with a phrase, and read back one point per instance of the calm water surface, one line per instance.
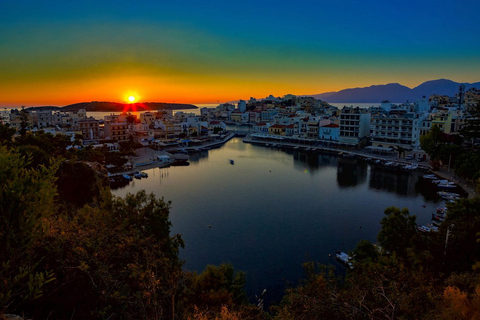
(272, 210)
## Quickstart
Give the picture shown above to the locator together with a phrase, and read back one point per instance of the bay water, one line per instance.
(270, 210)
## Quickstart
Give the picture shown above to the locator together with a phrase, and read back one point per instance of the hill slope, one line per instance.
(394, 92)
(106, 106)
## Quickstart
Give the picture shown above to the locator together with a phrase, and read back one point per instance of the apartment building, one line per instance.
(90, 128)
(397, 130)
(354, 125)
(115, 130)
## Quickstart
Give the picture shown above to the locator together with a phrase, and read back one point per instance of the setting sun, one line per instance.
(131, 98)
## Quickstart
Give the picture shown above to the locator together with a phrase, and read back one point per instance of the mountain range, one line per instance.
(394, 92)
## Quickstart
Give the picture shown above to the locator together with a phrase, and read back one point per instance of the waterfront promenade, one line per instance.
(467, 186)
(147, 157)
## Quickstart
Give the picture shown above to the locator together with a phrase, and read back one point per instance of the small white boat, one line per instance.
(423, 229)
(447, 185)
(448, 195)
(438, 181)
(430, 176)
(344, 258)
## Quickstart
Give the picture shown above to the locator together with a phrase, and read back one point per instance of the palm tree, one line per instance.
(399, 150)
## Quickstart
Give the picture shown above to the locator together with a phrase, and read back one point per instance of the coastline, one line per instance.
(147, 158)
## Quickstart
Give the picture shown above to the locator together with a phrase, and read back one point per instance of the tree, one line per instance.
(217, 286)
(471, 129)
(399, 150)
(315, 298)
(113, 261)
(365, 251)
(431, 141)
(6, 134)
(463, 219)
(24, 123)
(398, 231)
(26, 198)
(467, 165)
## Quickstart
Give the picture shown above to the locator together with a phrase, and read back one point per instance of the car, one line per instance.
(410, 157)
(420, 159)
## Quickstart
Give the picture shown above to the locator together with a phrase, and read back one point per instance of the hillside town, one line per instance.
(385, 129)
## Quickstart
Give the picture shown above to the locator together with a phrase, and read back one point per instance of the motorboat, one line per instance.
(447, 185)
(344, 258)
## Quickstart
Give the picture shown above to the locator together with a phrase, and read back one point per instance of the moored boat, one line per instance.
(344, 258)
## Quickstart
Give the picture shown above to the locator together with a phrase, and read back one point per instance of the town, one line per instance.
(388, 129)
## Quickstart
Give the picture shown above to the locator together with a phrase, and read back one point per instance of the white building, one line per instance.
(354, 125)
(329, 132)
(397, 130)
(242, 105)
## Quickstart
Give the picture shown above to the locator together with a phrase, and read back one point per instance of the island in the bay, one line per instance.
(107, 106)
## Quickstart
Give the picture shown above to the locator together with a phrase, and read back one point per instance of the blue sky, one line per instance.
(199, 51)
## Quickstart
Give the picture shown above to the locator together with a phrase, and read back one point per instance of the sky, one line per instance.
(63, 52)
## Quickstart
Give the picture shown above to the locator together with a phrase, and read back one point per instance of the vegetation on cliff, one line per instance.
(71, 250)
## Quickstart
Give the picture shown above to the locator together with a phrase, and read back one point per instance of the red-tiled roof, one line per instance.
(331, 125)
(278, 126)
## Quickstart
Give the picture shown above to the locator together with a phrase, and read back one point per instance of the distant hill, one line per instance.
(106, 106)
(43, 108)
(394, 92)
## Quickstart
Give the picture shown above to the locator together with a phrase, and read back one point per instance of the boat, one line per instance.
(447, 185)
(344, 258)
(438, 181)
(429, 176)
(438, 217)
(423, 229)
(448, 195)
(412, 166)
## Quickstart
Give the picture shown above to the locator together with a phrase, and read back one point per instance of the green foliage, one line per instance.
(398, 231)
(365, 251)
(463, 219)
(79, 184)
(115, 261)
(216, 286)
(27, 199)
(316, 298)
(449, 153)
(24, 123)
(431, 141)
(43, 146)
(467, 165)
(471, 129)
(6, 135)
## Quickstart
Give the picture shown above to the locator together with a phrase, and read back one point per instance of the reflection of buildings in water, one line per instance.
(314, 161)
(195, 157)
(351, 172)
(393, 180)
